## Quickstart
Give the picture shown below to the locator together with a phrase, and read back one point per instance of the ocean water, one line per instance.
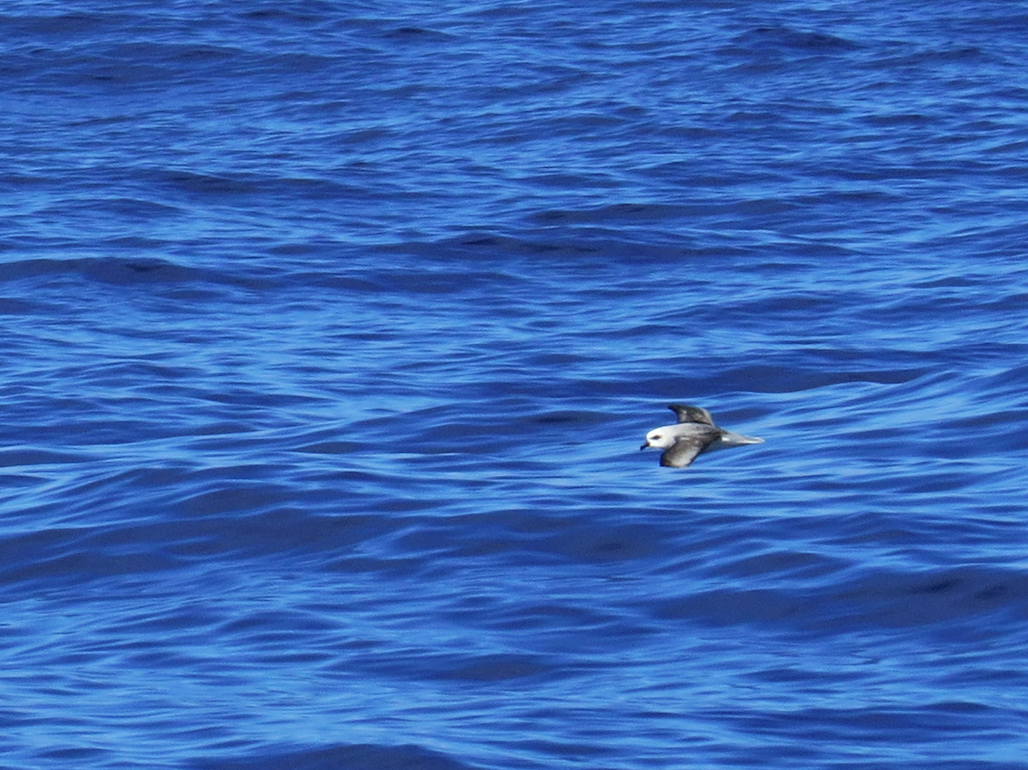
(330, 333)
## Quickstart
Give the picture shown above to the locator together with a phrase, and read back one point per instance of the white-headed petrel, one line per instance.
(693, 434)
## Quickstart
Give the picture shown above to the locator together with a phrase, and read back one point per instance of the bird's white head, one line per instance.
(660, 438)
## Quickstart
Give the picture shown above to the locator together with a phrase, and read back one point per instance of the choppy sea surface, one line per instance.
(330, 333)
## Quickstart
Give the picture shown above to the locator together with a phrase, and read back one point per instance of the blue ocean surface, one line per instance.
(331, 331)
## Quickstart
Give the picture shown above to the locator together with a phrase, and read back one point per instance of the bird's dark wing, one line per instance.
(684, 451)
(686, 413)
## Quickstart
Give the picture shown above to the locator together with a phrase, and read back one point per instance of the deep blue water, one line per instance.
(330, 333)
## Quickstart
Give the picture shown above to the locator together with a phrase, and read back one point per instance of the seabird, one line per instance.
(694, 434)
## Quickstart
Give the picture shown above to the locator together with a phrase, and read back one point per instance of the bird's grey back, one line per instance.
(693, 439)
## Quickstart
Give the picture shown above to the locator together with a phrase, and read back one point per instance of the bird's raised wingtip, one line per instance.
(689, 413)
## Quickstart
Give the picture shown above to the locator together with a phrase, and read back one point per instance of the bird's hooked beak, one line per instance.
(644, 446)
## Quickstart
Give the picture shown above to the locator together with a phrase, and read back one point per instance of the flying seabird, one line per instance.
(694, 434)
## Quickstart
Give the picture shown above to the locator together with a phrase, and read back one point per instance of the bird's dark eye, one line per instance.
(657, 437)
